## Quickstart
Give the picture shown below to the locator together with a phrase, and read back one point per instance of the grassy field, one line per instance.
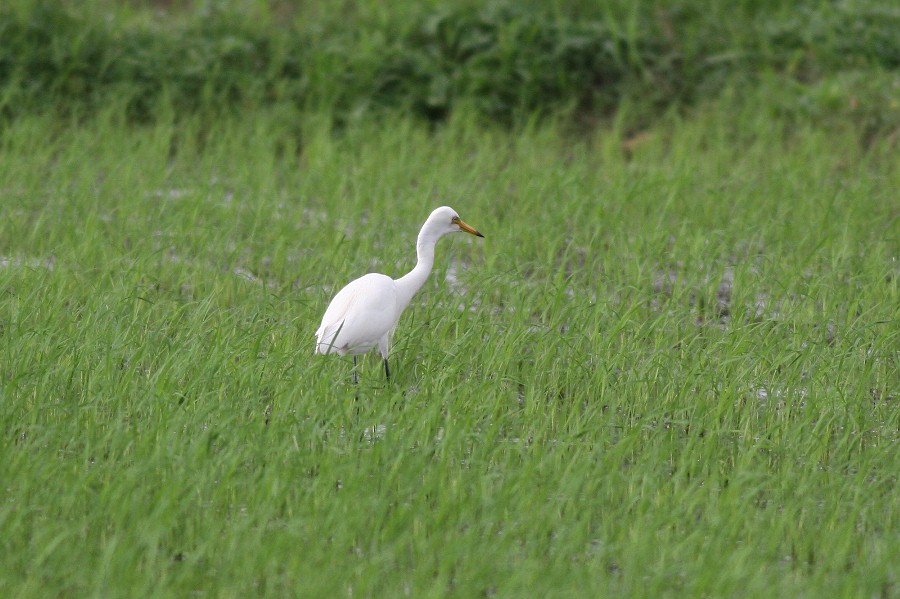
(670, 368)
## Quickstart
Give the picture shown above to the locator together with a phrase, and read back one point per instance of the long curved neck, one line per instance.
(411, 282)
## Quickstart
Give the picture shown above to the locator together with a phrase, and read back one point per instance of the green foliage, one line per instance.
(506, 61)
(669, 369)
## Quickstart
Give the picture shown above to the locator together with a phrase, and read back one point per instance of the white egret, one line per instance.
(365, 313)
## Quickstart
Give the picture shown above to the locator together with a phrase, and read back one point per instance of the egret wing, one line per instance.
(358, 316)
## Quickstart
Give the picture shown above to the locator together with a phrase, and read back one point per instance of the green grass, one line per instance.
(509, 61)
(670, 368)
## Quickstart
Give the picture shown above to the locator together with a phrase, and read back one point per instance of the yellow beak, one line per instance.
(467, 228)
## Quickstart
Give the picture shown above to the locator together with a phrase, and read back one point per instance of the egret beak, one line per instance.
(465, 227)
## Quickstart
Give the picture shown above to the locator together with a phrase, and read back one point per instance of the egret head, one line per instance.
(445, 220)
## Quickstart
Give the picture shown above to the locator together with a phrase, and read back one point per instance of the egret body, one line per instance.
(365, 313)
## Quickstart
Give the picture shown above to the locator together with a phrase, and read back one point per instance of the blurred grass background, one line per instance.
(505, 61)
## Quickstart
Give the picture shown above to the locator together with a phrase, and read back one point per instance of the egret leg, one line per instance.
(355, 378)
(387, 370)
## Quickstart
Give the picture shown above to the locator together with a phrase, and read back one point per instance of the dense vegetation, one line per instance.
(670, 369)
(505, 60)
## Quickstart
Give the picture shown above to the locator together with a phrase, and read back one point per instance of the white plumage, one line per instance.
(365, 313)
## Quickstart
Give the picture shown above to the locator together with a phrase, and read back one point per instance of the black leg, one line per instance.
(387, 370)
(355, 378)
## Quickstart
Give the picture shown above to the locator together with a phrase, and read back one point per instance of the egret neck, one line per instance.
(411, 282)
